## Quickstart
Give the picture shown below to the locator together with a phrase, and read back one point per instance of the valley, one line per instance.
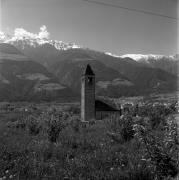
(41, 132)
(43, 72)
(89, 90)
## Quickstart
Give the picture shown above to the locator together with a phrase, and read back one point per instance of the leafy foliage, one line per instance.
(57, 145)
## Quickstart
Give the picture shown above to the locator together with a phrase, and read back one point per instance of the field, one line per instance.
(48, 141)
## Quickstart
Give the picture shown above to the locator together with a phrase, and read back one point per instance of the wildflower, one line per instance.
(6, 171)
(11, 176)
(111, 168)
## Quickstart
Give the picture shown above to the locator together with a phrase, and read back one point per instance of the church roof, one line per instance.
(89, 70)
(101, 106)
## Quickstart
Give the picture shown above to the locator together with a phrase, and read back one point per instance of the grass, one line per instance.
(57, 145)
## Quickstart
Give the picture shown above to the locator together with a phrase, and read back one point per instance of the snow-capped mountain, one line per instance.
(60, 45)
(113, 55)
(23, 38)
(166, 63)
(143, 74)
(138, 57)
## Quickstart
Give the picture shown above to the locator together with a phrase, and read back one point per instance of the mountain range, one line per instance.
(21, 78)
(167, 63)
(51, 70)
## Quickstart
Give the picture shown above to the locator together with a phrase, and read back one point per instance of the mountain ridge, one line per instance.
(119, 75)
(27, 79)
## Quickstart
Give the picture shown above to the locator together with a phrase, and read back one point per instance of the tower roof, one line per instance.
(88, 70)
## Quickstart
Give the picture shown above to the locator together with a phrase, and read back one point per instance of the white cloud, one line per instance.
(44, 34)
(21, 34)
(24, 37)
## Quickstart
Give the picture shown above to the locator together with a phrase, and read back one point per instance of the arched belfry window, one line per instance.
(90, 79)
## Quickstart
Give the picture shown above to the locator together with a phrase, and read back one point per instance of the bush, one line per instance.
(33, 125)
(57, 145)
(55, 126)
(122, 126)
(127, 131)
(161, 151)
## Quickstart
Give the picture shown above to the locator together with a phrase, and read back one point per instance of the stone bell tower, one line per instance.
(88, 95)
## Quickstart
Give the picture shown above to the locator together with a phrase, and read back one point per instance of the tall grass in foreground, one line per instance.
(57, 145)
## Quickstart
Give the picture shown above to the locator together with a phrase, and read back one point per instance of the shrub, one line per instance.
(57, 145)
(55, 125)
(33, 125)
(122, 126)
(127, 131)
(161, 152)
(75, 123)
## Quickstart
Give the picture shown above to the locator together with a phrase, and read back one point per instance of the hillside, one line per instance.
(116, 76)
(144, 80)
(166, 63)
(24, 79)
(108, 80)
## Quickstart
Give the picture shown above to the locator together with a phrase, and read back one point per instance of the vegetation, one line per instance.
(140, 145)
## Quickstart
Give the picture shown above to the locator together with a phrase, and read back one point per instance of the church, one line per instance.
(92, 109)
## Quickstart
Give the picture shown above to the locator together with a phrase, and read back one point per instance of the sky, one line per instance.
(99, 27)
